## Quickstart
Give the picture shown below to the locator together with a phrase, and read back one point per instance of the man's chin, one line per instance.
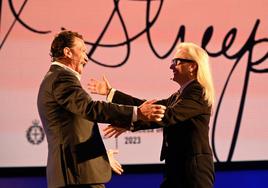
(174, 79)
(81, 68)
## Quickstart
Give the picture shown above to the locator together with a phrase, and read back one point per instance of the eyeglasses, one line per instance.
(178, 61)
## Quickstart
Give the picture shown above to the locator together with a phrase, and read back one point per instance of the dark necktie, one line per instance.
(175, 98)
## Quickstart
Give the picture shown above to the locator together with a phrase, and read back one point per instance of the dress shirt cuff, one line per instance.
(135, 114)
(110, 95)
(134, 117)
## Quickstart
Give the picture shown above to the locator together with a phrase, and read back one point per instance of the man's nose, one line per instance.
(172, 66)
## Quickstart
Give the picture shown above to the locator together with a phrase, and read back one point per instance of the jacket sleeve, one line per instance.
(123, 98)
(190, 104)
(69, 93)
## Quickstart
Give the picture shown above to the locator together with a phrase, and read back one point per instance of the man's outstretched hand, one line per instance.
(113, 131)
(101, 87)
(149, 111)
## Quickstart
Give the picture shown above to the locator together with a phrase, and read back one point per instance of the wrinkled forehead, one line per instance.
(79, 43)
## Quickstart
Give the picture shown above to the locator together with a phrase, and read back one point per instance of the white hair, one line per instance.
(204, 75)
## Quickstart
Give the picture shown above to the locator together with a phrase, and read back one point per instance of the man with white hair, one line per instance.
(185, 149)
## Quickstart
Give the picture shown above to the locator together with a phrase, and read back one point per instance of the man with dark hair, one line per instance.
(76, 153)
(64, 39)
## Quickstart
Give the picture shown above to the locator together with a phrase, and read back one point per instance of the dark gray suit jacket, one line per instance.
(76, 153)
(185, 148)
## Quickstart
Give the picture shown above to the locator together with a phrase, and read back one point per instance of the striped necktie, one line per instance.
(175, 98)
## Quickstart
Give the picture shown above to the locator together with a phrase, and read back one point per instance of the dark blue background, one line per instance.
(224, 179)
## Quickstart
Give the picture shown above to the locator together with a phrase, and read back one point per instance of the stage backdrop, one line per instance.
(132, 42)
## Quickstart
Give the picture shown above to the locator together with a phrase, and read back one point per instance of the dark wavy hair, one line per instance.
(62, 40)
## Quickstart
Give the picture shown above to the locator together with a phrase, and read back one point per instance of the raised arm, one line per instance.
(147, 110)
(101, 87)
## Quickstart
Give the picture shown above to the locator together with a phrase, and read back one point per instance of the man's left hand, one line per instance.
(115, 165)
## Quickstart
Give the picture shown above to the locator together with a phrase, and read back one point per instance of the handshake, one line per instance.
(149, 111)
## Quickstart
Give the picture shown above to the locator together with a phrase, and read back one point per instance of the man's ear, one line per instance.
(192, 67)
(67, 52)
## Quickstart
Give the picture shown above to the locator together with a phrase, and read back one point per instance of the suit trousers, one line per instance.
(192, 172)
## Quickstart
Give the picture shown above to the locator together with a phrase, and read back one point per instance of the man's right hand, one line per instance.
(101, 87)
(149, 111)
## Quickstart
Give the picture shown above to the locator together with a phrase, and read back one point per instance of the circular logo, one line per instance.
(35, 133)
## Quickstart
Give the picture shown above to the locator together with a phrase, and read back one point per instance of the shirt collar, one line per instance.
(185, 85)
(76, 74)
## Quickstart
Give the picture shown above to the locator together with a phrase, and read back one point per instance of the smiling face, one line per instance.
(183, 67)
(69, 49)
(77, 55)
